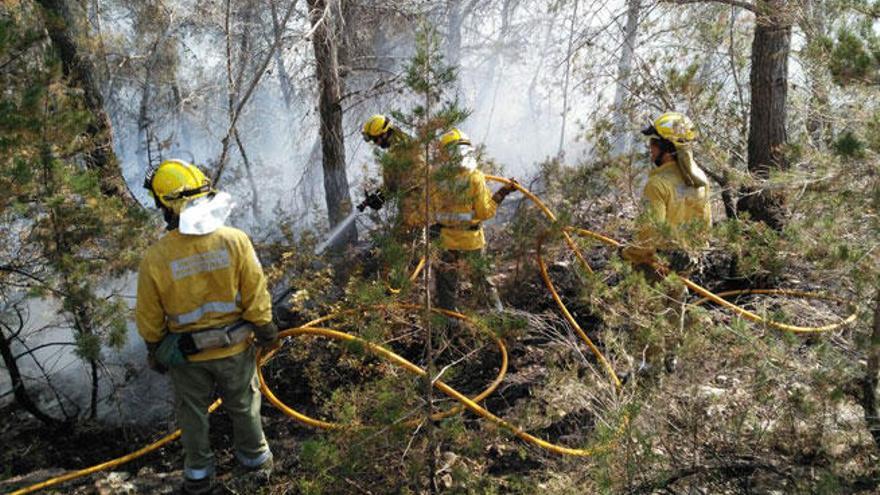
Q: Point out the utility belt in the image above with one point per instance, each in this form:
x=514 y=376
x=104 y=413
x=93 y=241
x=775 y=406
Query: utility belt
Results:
x=215 y=338
x=469 y=227
x=434 y=230
x=680 y=261
x=175 y=347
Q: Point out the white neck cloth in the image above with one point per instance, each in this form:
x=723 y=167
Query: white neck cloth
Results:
x=206 y=214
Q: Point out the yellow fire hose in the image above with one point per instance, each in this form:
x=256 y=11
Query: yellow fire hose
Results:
x=378 y=350
x=307 y=330
x=472 y=403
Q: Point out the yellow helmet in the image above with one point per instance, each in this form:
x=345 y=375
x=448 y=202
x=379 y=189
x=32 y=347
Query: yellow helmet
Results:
x=175 y=182
x=375 y=127
x=454 y=136
x=674 y=127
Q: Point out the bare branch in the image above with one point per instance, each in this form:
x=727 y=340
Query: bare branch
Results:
x=31 y=350
x=23 y=273
x=261 y=69
x=735 y=3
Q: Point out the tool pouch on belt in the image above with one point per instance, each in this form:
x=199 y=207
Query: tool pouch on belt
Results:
x=215 y=338
x=681 y=261
x=175 y=347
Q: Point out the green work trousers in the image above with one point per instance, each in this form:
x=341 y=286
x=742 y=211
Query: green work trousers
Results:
x=666 y=346
x=448 y=271
x=236 y=380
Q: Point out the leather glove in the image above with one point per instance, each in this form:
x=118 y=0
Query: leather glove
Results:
x=374 y=200
x=266 y=336
x=502 y=193
x=152 y=362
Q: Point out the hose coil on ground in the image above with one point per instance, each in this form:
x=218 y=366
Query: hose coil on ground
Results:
x=472 y=403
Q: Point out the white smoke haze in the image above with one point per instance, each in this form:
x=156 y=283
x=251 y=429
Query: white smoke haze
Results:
x=60 y=382
x=514 y=84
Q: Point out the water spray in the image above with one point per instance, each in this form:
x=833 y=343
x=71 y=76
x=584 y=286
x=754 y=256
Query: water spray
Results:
x=374 y=200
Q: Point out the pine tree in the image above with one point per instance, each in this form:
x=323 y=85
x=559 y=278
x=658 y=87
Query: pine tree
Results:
x=66 y=239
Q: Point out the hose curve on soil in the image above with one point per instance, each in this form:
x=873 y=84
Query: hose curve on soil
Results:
x=472 y=403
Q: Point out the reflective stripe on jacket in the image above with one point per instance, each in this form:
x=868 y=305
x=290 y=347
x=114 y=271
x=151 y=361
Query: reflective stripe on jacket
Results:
x=461 y=202
x=193 y=282
x=675 y=213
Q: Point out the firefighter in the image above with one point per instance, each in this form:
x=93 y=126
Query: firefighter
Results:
x=462 y=201
x=202 y=304
x=676 y=217
x=402 y=174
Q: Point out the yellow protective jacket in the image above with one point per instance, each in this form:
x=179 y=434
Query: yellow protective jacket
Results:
x=461 y=202
x=403 y=177
x=678 y=216
x=194 y=282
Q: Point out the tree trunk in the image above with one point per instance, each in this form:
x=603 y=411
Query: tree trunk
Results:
x=284 y=80
x=61 y=25
x=869 y=384
x=623 y=138
x=496 y=64
x=567 y=78
x=22 y=398
x=145 y=133
x=767 y=134
x=815 y=30
x=536 y=112
x=336 y=191
x=453 y=32
x=93 y=401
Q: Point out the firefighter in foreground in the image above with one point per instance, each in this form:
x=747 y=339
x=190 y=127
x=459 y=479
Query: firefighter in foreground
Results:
x=676 y=219
x=202 y=302
x=462 y=201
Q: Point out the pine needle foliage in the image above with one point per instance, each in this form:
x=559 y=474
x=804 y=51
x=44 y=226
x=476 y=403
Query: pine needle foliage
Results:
x=65 y=240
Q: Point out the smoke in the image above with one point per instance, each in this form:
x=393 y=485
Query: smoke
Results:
x=60 y=381
x=513 y=86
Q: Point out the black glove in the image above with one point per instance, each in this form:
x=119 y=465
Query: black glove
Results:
x=374 y=200
x=152 y=362
x=434 y=232
x=502 y=193
x=266 y=336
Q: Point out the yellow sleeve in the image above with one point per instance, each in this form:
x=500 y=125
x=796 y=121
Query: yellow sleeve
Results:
x=648 y=237
x=255 y=297
x=484 y=207
x=656 y=197
x=149 y=314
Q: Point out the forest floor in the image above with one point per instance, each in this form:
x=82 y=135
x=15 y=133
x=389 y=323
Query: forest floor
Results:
x=746 y=411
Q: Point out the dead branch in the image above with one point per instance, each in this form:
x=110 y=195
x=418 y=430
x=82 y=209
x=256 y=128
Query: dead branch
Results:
x=735 y=3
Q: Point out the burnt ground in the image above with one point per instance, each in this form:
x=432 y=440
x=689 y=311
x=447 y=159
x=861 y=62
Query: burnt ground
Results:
x=33 y=452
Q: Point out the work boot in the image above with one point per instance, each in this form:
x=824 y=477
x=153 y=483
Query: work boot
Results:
x=197 y=487
x=259 y=473
x=265 y=469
